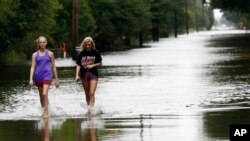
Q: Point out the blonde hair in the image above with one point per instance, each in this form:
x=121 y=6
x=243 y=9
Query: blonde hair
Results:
x=39 y=38
x=84 y=42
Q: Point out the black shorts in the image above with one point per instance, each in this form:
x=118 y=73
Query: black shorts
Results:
x=88 y=76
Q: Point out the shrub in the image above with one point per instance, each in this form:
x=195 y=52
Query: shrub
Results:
x=12 y=57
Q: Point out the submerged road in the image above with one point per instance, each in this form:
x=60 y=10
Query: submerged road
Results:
x=190 y=88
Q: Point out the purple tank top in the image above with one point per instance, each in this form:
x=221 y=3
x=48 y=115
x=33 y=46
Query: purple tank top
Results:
x=43 y=69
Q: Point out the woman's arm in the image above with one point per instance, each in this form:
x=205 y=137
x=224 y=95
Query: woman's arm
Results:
x=32 y=68
x=77 y=72
x=94 y=65
x=98 y=64
x=52 y=57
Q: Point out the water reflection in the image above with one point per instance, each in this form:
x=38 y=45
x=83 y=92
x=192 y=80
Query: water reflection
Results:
x=143 y=128
x=216 y=123
x=45 y=132
x=88 y=129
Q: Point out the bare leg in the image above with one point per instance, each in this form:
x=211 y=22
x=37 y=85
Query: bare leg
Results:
x=86 y=90
x=40 y=89
x=92 y=88
x=43 y=92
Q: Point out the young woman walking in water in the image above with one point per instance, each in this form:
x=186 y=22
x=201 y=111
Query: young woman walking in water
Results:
x=88 y=61
x=43 y=68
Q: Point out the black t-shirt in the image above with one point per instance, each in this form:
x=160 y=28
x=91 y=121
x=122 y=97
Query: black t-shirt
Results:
x=88 y=58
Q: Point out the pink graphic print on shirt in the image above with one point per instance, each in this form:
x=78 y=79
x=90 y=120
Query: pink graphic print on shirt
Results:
x=87 y=60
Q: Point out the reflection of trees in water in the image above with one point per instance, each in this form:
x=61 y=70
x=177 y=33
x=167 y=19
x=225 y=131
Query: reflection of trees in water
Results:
x=230 y=73
x=216 y=124
x=235 y=41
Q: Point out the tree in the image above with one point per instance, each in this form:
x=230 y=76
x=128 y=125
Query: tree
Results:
x=235 y=11
x=7 y=13
x=32 y=19
x=114 y=24
x=87 y=24
x=236 y=5
x=119 y=22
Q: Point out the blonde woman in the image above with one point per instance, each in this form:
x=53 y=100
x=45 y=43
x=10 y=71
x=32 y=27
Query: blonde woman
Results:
x=43 y=68
x=88 y=61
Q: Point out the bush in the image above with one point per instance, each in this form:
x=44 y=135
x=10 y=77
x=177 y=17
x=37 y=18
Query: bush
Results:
x=12 y=57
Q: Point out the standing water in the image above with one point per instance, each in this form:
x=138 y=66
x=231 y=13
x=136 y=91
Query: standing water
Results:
x=191 y=88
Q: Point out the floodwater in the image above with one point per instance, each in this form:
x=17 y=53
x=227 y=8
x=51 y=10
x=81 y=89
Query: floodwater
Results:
x=186 y=89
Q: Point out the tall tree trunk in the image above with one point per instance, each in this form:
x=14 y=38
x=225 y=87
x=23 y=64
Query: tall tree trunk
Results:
x=140 y=38
x=175 y=24
x=127 y=39
x=157 y=32
x=154 y=36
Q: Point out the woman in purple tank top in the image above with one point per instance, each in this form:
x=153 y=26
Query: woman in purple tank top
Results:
x=43 y=68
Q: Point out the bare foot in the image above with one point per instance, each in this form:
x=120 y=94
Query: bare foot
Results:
x=46 y=112
x=46 y=115
x=90 y=110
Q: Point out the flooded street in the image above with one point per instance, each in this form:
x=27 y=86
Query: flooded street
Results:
x=190 y=88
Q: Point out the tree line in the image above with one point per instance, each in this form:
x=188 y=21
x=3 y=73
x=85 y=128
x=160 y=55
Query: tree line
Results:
x=235 y=11
x=114 y=24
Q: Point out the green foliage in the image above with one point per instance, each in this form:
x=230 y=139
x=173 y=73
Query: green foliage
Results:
x=232 y=5
x=63 y=28
x=23 y=21
x=86 y=19
x=37 y=18
x=7 y=13
x=209 y=20
x=7 y=10
x=114 y=24
x=12 y=56
x=119 y=20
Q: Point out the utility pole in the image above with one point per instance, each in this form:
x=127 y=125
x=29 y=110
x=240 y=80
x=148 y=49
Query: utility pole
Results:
x=75 y=32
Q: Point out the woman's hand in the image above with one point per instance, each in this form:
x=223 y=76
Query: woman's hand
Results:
x=31 y=83
x=56 y=83
x=77 y=78
x=90 y=66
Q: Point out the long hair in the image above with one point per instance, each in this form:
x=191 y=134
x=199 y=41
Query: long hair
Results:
x=84 y=42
